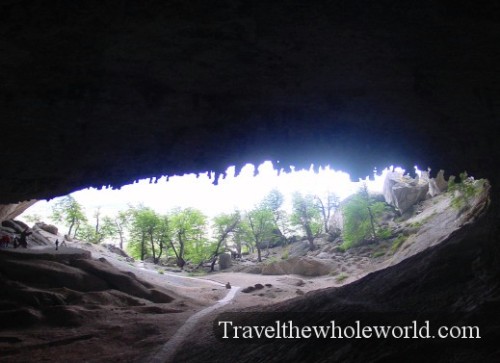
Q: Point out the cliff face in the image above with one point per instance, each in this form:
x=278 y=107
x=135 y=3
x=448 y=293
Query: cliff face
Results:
x=11 y=211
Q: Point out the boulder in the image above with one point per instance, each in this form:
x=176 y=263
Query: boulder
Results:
x=298 y=249
x=13 y=225
x=50 y=228
x=114 y=249
x=39 y=239
x=438 y=184
x=224 y=261
x=403 y=192
x=304 y=266
x=114 y=278
x=254 y=269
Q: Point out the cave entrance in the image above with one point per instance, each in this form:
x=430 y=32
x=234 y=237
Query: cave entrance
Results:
x=189 y=220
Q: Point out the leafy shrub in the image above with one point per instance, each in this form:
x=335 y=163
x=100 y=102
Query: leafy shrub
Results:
x=378 y=254
x=286 y=254
x=398 y=242
x=341 y=277
x=384 y=233
x=464 y=191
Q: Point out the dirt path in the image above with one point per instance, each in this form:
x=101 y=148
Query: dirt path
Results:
x=167 y=352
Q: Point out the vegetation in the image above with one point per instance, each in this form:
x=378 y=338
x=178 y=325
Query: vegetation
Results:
x=149 y=233
x=261 y=226
x=464 y=191
x=326 y=205
x=273 y=202
x=341 y=277
x=224 y=225
x=306 y=215
x=70 y=213
x=398 y=242
x=187 y=235
x=378 y=253
x=361 y=213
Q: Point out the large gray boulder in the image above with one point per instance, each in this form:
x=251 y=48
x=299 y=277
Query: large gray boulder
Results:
x=438 y=184
x=403 y=192
x=224 y=261
x=304 y=266
x=50 y=228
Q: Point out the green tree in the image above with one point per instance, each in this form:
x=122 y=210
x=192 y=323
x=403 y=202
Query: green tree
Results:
x=326 y=205
x=261 y=225
x=189 y=231
x=360 y=214
x=306 y=215
x=224 y=225
x=33 y=218
x=242 y=236
x=104 y=228
x=121 y=223
x=69 y=212
x=147 y=231
x=273 y=201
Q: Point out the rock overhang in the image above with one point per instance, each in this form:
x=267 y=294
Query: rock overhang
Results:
x=96 y=95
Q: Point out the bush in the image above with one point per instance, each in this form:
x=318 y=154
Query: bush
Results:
x=341 y=277
x=398 y=242
x=384 y=233
x=286 y=254
x=464 y=191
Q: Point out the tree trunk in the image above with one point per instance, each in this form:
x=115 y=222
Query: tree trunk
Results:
x=374 y=235
x=120 y=233
x=180 y=258
x=259 y=257
x=152 y=246
x=310 y=236
x=76 y=229
x=143 y=247
x=212 y=265
x=161 y=252
x=71 y=227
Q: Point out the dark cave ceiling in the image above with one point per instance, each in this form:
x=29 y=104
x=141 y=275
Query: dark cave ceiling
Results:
x=102 y=92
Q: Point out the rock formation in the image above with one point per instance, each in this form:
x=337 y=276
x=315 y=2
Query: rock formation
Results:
x=224 y=261
x=11 y=211
x=403 y=191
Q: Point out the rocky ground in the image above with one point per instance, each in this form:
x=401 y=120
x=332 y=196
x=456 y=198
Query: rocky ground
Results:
x=94 y=302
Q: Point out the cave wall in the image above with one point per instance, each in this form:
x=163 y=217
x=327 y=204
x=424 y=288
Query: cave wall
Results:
x=101 y=93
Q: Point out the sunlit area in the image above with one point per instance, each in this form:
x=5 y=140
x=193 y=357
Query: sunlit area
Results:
x=103 y=213
x=240 y=192
x=189 y=222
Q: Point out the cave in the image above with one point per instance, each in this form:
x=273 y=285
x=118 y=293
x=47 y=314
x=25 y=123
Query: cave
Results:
x=103 y=93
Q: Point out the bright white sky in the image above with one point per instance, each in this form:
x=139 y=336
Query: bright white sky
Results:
x=242 y=192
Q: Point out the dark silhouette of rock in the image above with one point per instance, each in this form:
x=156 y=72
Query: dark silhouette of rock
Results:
x=42 y=273
x=248 y=289
x=224 y=261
